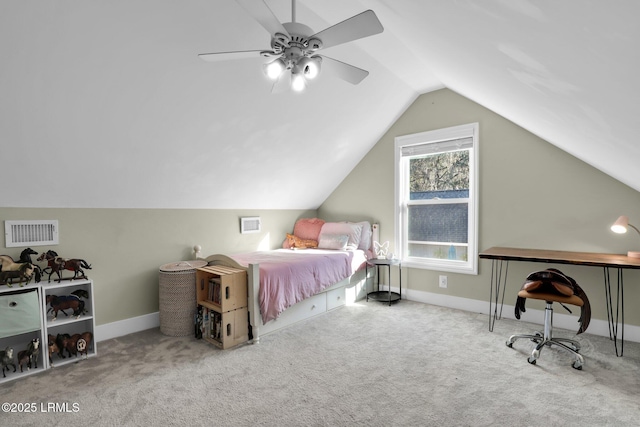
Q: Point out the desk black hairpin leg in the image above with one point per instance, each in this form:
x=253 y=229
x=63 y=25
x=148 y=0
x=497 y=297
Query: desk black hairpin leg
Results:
x=619 y=314
x=497 y=282
x=399 y=281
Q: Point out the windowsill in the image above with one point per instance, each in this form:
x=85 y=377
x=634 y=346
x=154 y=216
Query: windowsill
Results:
x=441 y=266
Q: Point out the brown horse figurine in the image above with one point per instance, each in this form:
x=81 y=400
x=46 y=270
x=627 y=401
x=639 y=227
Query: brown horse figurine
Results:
x=65 y=302
x=83 y=344
x=29 y=357
x=53 y=347
x=57 y=264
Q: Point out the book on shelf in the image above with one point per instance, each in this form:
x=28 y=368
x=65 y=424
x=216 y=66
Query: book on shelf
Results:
x=198 y=322
x=205 y=323
x=216 y=326
x=215 y=286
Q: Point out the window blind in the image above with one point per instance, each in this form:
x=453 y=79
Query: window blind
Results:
x=424 y=148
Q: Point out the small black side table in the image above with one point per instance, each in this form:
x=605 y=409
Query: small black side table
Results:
x=384 y=296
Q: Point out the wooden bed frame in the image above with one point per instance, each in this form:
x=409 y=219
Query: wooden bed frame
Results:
x=346 y=291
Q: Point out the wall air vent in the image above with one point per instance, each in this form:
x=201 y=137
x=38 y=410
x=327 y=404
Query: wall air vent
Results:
x=250 y=224
x=30 y=233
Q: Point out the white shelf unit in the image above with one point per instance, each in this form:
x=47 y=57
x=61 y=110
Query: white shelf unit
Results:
x=68 y=324
x=20 y=341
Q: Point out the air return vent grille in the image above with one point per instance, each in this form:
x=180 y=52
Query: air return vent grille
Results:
x=250 y=224
x=30 y=233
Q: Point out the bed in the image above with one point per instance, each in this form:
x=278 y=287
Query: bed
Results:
x=300 y=281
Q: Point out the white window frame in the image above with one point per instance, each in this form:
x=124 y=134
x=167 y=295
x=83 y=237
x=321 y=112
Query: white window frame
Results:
x=470 y=266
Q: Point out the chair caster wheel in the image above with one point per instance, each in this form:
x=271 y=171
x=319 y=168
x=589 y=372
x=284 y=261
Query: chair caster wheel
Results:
x=509 y=344
x=577 y=365
x=531 y=360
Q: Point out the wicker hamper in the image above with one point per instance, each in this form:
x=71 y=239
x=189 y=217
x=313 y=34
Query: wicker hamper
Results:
x=178 y=297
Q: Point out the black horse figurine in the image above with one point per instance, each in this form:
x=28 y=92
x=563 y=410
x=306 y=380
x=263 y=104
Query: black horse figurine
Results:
x=25 y=256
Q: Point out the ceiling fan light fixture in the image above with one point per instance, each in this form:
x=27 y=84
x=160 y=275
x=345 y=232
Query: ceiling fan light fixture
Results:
x=294 y=46
x=298 y=82
x=274 y=69
x=310 y=66
x=314 y=44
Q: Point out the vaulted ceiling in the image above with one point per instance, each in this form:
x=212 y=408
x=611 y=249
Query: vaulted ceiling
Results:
x=106 y=103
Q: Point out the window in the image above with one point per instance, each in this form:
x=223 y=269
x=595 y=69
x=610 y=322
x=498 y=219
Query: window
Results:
x=436 y=199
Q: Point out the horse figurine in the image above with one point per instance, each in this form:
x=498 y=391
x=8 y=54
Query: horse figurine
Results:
x=61 y=344
x=23 y=269
x=65 y=302
x=58 y=264
x=33 y=350
x=29 y=356
x=72 y=345
x=25 y=256
x=23 y=359
x=83 y=344
x=8 y=264
x=53 y=347
x=6 y=359
x=24 y=273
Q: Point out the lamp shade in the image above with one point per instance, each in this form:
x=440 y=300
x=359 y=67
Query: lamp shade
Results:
x=621 y=225
x=309 y=66
x=297 y=82
x=274 y=69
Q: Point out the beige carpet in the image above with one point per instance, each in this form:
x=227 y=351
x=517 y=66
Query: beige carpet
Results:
x=369 y=364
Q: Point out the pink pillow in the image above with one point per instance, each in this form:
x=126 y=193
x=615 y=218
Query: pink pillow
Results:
x=308 y=228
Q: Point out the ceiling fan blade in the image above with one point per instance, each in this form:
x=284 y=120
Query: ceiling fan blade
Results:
x=227 y=56
x=259 y=10
x=363 y=25
x=346 y=72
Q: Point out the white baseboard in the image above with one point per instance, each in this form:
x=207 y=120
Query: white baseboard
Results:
x=127 y=326
x=560 y=320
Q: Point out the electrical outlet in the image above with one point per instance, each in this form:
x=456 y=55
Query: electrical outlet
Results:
x=443 y=281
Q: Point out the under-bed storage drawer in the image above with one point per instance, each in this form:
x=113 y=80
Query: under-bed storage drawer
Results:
x=336 y=298
x=305 y=309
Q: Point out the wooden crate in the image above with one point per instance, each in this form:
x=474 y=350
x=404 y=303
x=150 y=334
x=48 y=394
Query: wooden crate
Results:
x=229 y=286
x=228 y=329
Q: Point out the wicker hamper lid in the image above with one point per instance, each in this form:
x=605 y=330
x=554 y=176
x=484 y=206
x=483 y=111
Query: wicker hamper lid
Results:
x=174 y=267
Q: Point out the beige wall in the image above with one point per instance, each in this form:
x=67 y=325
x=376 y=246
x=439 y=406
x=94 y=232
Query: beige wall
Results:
x=532 y=195
x=126 y=247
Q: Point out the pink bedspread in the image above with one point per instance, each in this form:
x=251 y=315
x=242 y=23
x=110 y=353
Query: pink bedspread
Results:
x=289 y=276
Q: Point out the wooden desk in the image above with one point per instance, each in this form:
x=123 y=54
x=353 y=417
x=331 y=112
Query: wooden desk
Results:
x=500 y=266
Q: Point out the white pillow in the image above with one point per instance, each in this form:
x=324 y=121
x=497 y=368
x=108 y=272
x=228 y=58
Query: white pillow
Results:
x=365 y=237
x=354 y=231
x=333 y=241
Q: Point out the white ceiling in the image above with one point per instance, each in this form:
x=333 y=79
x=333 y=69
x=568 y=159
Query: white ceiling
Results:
x=106 y=104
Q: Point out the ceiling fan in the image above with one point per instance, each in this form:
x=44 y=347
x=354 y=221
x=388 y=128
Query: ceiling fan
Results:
x=293 y=59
